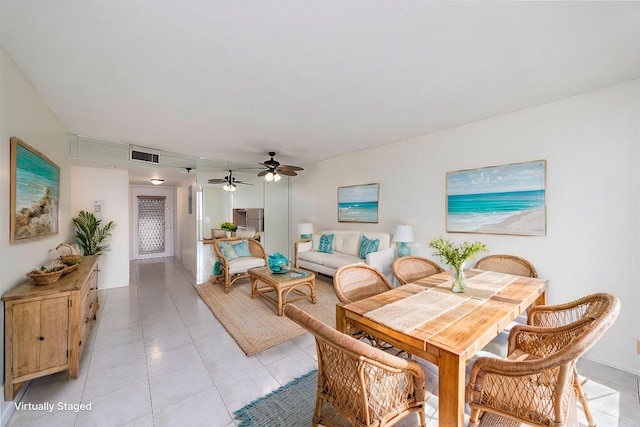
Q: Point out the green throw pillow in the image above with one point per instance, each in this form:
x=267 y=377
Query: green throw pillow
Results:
x=367 y=246
x=326 y=243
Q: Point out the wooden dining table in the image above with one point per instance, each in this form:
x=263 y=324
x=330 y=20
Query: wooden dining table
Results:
x=428 y=320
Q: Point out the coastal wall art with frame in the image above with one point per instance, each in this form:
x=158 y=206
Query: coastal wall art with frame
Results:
x=35 y=193
x=506 y=199
x=358 y=203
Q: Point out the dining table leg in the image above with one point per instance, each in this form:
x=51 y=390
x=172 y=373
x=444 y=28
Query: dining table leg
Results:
x=451 y=389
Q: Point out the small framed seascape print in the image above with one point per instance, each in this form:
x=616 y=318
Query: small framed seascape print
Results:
x=358 y=203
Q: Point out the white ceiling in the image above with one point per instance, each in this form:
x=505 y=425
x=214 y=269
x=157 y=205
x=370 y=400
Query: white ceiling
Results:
x=310 y=80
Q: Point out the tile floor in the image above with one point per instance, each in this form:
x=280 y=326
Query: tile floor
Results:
x=158 y=357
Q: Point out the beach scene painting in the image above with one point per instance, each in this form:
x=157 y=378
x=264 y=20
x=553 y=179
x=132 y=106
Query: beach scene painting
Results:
x=507 y=199
x=35 y=187
x=358 y=203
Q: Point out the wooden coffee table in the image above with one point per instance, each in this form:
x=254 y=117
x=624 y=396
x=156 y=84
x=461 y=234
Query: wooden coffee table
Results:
x=282 y=284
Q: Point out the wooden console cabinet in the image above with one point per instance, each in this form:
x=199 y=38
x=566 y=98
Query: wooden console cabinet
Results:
x=45 y=327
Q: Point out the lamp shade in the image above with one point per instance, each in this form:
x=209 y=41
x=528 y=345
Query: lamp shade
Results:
x=305 y=229
x=403 y=234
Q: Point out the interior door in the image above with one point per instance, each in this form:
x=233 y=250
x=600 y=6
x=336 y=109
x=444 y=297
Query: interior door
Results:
x=152 y=220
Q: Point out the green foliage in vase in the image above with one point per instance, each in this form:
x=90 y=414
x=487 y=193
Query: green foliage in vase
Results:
x=89 y=235
x=228 y=226
x=456 y=255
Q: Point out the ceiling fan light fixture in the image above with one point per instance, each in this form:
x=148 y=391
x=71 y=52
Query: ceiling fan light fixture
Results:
x=269 y=177
x=276 y=177
x=156 y=181
x=229 y=187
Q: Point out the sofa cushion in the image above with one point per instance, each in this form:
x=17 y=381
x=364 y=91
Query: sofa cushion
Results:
x=312 y=256
x=367 y=246
x=338 y=259
x=326 y=243
x=350 y=243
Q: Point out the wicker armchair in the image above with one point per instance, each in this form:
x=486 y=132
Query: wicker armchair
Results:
x=550 y=316
x=366 y=386
x=508 y=264
x=236 y=268
x=535 y=385
x=354 y=282
x=408 y=269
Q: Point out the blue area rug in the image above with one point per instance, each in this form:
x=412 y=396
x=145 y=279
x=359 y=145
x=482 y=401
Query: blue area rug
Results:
x=291 y=405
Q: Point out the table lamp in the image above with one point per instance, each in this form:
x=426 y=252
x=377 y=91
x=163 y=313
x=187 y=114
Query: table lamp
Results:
x=403 y=234
x=305 y=229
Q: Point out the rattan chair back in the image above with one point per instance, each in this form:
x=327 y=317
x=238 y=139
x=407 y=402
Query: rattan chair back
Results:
x=535 y=385
x=365 y=385
x=508 y=264
x=354 y=282
x=589 y=307
x=408 y=269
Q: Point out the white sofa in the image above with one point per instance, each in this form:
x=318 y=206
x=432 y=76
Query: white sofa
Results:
x=346 y=248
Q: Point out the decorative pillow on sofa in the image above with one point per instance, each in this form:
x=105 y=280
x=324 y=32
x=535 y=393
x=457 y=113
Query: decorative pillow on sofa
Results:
x=367 y=246
x=326 y=243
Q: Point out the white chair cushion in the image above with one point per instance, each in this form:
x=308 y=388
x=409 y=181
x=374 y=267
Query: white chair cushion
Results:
x=338 y=260
x=242 y=264
x=313 y=256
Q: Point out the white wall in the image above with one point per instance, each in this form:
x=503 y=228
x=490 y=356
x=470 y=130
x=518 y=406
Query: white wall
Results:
x=185 y=229
x=24 y=114
x=112 y=187
x=591 y=144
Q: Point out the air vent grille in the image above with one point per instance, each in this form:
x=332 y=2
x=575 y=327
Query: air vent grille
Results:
x=147 y=155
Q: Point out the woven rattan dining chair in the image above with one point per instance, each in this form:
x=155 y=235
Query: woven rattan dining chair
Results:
x=408 y=269
x=535 y=384
x=365 y=385
x=508 y=264
x=354 y=282
x=588 y=307
x=234 y=269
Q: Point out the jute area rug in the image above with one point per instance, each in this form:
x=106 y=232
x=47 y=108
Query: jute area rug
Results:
x=253 y=323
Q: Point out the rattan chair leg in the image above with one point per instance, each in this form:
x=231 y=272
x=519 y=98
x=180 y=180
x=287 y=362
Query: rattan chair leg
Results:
x=584 y=400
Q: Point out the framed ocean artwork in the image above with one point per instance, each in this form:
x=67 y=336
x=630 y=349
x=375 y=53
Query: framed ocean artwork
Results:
x=35 y=191
x=358 y=203
x=507 y=199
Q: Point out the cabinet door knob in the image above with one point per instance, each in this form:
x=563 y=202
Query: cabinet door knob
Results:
x=41 y=338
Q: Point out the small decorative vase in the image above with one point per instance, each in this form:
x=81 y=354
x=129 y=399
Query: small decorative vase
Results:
x=227 y=233
x=459 y=280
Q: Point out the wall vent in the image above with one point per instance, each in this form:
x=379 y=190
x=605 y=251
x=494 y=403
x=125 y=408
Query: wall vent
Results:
x=144 y=155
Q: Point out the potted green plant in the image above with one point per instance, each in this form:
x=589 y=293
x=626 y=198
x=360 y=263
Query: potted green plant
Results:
x=89 y=235
x=228 y=227
x=455 y=256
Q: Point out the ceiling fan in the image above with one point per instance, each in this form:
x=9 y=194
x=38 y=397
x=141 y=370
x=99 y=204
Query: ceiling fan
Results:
x=229 y=182
x=275 y=169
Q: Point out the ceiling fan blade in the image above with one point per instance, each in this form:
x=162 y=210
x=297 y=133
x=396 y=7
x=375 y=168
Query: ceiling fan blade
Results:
x=291 y=168
x=286 y=172
x=243 y=183
x=217 y=181
x=263 y=173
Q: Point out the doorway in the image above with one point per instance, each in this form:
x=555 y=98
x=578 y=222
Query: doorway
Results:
x=152 y=220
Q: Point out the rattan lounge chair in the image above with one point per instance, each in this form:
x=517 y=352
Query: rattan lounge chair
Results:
x=234 y=269
x=508 y=264
x=589 y=307
x=535 y=385
x=365 y=385
x=408 y=269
